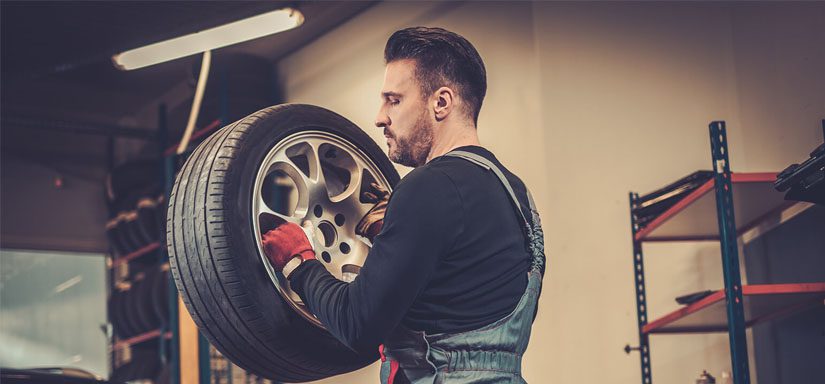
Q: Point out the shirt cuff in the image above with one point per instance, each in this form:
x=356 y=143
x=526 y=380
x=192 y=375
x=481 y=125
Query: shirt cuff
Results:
x=301 y=274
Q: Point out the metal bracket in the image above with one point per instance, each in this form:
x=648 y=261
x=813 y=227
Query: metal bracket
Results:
x=628 y=348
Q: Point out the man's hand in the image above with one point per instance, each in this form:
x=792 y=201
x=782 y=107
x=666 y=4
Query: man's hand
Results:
x=288 y=242
x=371 y=224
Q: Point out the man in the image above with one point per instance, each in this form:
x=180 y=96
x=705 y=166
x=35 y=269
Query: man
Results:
x=452 y=280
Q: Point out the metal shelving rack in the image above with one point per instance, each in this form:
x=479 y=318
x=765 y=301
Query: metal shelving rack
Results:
x=165 y=332
x=735 y=307
x=169 y=351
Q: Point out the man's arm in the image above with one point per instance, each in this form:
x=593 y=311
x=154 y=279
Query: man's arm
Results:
x=423 y=221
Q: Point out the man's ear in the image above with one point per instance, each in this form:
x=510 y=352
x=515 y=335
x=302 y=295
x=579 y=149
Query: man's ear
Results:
x=444 y=103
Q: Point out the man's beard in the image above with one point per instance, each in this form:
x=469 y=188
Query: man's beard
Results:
x=412 y=151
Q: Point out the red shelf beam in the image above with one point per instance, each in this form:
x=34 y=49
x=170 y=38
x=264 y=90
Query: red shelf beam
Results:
x=762 y=302
x=705 y=191
x=134 y=255
x=140 y=338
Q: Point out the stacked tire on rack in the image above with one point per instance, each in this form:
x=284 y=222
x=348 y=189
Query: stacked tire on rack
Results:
x=245 y=179
x=139 y=302
x=141 y=305
x=144 y=365
x=135 y=198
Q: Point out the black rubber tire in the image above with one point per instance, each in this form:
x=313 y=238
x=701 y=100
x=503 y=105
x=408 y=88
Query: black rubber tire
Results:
x=147 y=363
x=160 y=295
x=135 y=232
x=113 y=236
x=144 y=307
x=125 y=235
x=148 y=218
x=214 y=256
x=124 y=327
x=120 y=328
x=144 y=364
x=129 y=313
x=120 y=239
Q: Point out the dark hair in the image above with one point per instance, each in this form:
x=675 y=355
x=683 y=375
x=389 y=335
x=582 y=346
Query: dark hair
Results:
x=442 y=58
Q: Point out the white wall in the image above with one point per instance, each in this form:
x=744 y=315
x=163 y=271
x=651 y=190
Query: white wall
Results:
x=587 y=101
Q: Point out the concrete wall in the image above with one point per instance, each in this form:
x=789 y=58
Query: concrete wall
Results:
x=587 y=101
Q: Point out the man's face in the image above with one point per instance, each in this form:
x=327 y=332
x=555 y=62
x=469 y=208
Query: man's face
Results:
x=404 y=115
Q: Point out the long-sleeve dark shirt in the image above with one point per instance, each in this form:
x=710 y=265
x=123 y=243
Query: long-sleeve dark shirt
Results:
x=450 y=257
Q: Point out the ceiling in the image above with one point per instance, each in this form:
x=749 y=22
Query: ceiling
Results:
x=55 y=60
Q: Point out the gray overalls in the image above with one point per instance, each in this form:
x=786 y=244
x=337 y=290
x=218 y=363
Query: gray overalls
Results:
x=490 y=354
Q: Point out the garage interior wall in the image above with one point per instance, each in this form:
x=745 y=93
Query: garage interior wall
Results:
x=39 y=215
x=586 y=102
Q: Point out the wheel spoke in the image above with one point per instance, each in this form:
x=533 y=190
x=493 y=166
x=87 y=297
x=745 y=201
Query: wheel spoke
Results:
x=263 y=209
x=282 y=162
x=316 y=173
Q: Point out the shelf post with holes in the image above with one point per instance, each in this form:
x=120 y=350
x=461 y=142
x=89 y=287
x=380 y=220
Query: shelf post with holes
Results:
x=641 y=296
x=730 y=253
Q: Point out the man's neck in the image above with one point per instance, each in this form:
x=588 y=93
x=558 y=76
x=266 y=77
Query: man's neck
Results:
x=451 y=139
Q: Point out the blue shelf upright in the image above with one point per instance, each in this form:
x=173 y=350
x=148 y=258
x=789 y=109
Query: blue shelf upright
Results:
x=730 y=253
x=641 y=296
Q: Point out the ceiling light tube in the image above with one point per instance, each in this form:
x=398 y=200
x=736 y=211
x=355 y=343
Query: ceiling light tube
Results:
x=210 y=39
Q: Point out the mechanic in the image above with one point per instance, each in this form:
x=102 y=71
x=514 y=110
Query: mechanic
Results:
x=449 y=290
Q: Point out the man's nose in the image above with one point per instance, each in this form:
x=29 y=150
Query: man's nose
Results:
x=382 y=120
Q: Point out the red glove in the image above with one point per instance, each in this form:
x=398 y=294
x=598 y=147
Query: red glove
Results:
x=286 y=242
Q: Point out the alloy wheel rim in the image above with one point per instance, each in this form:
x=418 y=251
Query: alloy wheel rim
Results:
x=320 y=177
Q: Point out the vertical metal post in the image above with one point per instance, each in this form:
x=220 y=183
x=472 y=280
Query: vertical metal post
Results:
x=730 y=253
x=641 y=296
x=204 y=360
x=172 y=354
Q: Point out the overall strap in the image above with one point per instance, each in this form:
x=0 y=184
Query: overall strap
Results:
x=483 y=162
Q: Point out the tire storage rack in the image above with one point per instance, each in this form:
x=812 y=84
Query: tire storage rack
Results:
x=139 y=305
x=710 y=209
x=150 y=339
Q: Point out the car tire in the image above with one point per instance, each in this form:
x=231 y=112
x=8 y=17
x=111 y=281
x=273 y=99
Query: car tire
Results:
x=215 y=256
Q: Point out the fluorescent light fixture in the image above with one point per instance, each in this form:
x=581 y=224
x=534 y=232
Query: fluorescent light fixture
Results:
x=214 y=38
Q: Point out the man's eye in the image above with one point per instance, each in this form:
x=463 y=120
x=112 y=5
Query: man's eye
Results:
x=394 y=102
